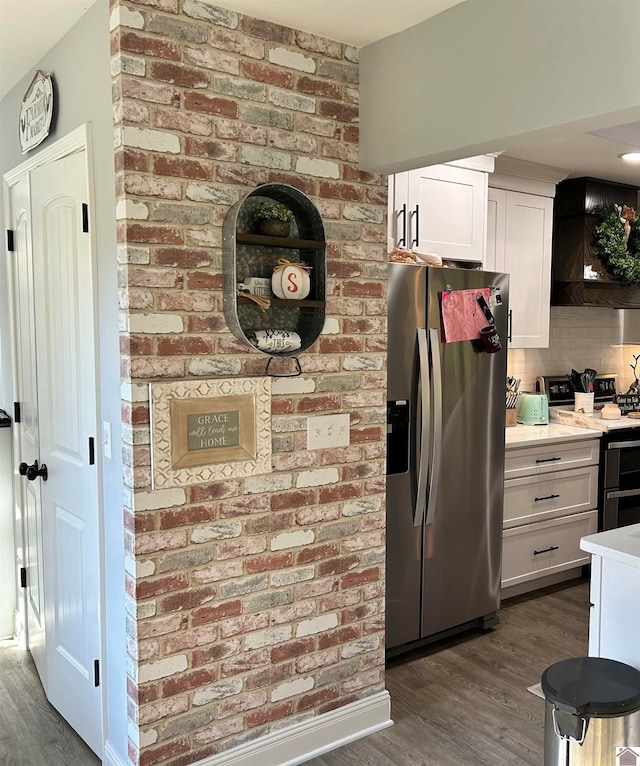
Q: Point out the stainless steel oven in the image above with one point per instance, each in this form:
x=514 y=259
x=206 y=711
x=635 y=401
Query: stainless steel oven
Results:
x=620 y=479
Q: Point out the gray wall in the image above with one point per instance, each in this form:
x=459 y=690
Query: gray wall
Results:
x=80 y=66
x=490 y=75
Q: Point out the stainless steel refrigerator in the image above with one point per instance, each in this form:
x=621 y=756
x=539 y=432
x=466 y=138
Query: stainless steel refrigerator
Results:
x=445 y=460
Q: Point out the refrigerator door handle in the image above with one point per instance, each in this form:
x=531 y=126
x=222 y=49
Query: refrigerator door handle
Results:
x=423 y=457
x=436 y=419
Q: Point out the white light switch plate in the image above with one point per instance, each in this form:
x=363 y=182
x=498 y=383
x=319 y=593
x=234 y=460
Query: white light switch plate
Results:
x=328 y=431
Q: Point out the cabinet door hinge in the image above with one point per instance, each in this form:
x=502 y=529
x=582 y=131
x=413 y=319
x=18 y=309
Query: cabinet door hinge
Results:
x=96 y=672
x=85 y=217
x=17 y=416
x=23 y=577
x=92 y=450
x=10 y=241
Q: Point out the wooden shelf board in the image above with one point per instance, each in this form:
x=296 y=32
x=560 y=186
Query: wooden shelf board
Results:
x=288 y=242
x=280 y=302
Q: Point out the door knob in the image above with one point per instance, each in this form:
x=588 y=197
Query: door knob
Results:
x=33 y=471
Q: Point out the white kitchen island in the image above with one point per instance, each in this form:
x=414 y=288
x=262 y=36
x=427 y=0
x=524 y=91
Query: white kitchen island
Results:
x=614 y=624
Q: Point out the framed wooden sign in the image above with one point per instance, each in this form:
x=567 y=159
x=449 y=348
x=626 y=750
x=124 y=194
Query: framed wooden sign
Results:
x=628 y=403
x=36 y=112
x=204 y=430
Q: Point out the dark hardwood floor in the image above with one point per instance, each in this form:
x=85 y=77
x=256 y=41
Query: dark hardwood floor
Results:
x=464 y=701
x=32 y=733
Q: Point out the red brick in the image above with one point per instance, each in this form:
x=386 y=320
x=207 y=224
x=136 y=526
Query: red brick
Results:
x=214 y=613
x=167 y=166
x=199 y=102
x=198 y=280
x=306 y=185
x=362 y=289
x=371 y=434
x=319 y=87
x=339 y=492
x=136 y=345
x=265 y=30
x=352 y=579
x=337 y=637
x=281 y=406
x=337 y=703
x=321 y=403
x=265 y=73
x=176 y=74
x=130 y=159
x=317 y=553
x=218 y=651
x=336 y=190
x=268 y=562
x=187 y=599
x=186 y=681
x=182 y=258
x=337 y=566
x=292 y=649
x=163 y=235
x=361 y=471
x=299 y=499
x=338 y=111
x=244 y=662
x=351 y=133
x=343 y=269
x=147 y=588
x=186 y=516
x=272 y=675
x=212 y=150
x=194 y=756
x=339 y=345
x=317 y=698
x=204 y=492
x=273 y=713
x=182 y=345
x=243 y=176
x=149 y=46
x=268 y=523
x=206 y=324
x=149 y=756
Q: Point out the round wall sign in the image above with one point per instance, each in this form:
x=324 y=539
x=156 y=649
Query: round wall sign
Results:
x=36 y=112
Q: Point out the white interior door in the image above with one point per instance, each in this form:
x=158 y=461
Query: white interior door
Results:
x=62 y=335
x=26 y=438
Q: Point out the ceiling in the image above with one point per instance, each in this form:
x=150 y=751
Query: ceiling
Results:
x=29 y=28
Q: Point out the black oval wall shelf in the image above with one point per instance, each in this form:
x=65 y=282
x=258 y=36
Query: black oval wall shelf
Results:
x=248 y=254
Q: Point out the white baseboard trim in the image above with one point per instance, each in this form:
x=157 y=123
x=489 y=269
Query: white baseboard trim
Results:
x=111 y=758
x=308 y=739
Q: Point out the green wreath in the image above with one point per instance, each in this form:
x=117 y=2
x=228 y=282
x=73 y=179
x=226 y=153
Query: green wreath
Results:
x=622 y=259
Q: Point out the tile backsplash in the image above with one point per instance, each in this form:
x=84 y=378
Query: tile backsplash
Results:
x=578 y=338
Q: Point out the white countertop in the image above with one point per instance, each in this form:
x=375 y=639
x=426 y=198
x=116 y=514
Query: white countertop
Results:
x=621 y=544
x=565 y=416
x=531 y=436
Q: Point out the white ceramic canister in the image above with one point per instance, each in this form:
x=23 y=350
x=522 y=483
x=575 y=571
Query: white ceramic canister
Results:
x=584 y=403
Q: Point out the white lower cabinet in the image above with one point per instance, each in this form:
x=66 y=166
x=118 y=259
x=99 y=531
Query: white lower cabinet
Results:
x=550 y=502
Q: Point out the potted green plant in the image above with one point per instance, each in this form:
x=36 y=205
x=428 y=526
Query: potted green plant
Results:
x=274 y=219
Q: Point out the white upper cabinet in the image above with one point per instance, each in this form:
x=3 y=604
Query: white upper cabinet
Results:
x=441 y=209
x=519 y=232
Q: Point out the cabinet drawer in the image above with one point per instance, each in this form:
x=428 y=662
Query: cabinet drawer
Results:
x=536 y=498
x=529 y=461
x=544 y=548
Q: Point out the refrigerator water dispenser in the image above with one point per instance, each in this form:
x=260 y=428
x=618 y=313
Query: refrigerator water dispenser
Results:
x=397 y=436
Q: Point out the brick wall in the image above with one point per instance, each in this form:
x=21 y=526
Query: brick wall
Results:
x=252 y=603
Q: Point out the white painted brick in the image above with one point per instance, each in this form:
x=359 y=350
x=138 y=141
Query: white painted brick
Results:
x=223 y=530
x=284 y=424
x=124 y=64
x=293 y=386
x=318 y=477
x=367 y=214
x=316 y=625
x=268 y=483
x=265 y=158
x=148 y=737
x=291 y=688
x=134 y=392
x=292 y=539
x=292 y=576
x=154 y=140
x=133 y=254
x=355 y=362
x=362 y=505
x=214 y=193
x=162 y=668
x=319 y=168
x=156 y=323
x=268 y=637
x=217 y=691
x=361 y=646
x=331 y=326
x=215 y=367
x=131 y=209
x=292 y=60
x=121 y=16
x=289 y=100
x=159 y=498
x=145 y=568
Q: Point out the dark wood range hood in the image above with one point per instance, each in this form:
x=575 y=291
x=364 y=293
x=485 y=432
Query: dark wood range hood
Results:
x=579 y=276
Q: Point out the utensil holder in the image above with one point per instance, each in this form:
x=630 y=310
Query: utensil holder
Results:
x=512 y=418
x=583 y=403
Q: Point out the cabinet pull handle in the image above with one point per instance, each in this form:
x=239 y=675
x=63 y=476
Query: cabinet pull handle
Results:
x=402 y=241
x=416 y=241
x=548 y=459
x=546 y=550
x=546 y=497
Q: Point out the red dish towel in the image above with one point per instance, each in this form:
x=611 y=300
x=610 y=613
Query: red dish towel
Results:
x=462 y=317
